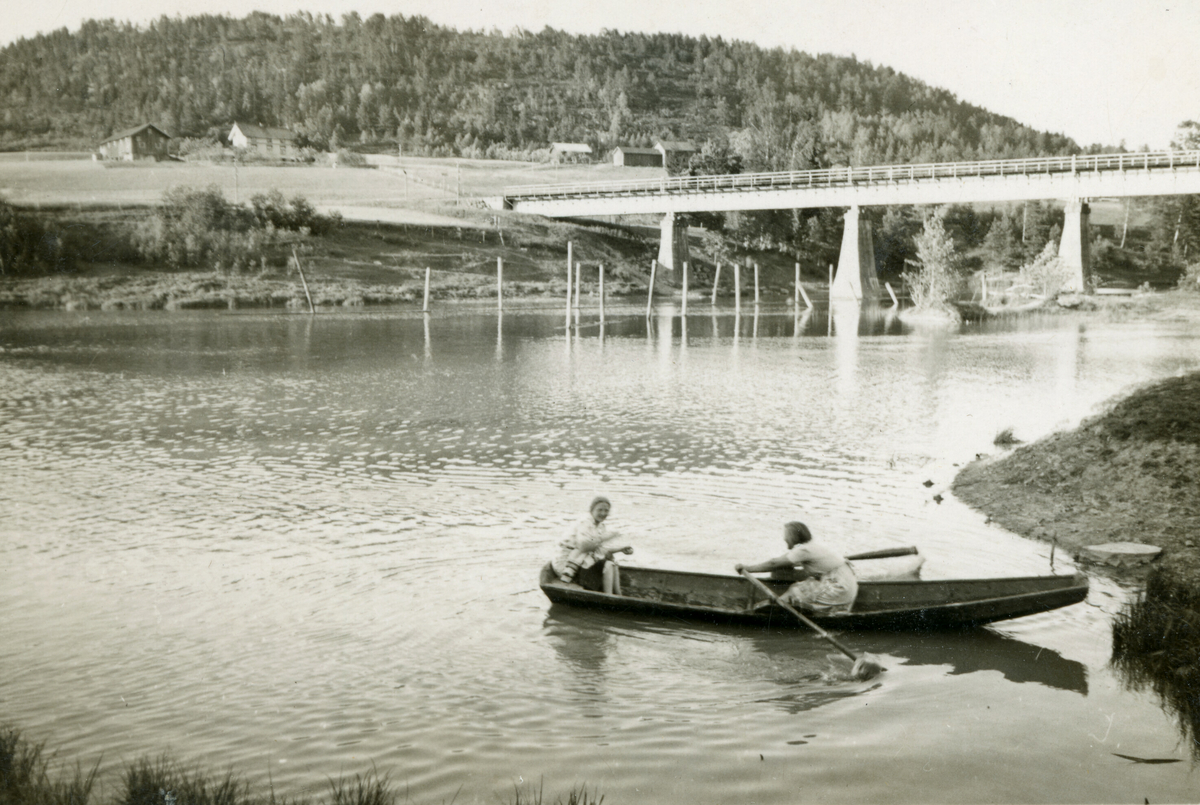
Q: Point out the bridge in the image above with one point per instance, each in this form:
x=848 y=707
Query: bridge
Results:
x=1074 y=179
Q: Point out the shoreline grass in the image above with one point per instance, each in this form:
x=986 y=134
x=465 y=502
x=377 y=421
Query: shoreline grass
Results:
x=28 y=776
x=1156 y=647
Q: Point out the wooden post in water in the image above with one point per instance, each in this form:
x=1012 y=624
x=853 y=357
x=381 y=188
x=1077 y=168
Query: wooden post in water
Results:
x=650 y=289
x=796 y=300
x=831 y=280
x=578 y=276
x=303 y=281
x=426 y=306
x=716 y=279
x=896 y=302
x=570 y=265
x=756 y=283
x=602 y=292
x=568 y=285
x=737 y=287
x=499 y=283
x=683 y=303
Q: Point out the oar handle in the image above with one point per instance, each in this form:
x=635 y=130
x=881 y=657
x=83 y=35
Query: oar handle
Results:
x=886 y=553
x=764 y=588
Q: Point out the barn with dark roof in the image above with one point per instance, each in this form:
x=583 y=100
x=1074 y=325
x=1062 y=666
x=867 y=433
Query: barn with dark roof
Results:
x=146 y=141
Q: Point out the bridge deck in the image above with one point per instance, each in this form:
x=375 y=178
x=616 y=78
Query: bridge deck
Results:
x=863 y=176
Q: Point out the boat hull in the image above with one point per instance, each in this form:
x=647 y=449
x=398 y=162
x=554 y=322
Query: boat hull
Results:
x=902 y=605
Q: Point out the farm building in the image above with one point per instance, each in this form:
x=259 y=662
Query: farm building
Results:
x=628 y=157
x=675 y=153
x=570 y=152
x=146 y=141
x=675 y=148
x=267 y=141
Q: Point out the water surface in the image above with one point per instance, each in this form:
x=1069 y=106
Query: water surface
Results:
x=301 y=547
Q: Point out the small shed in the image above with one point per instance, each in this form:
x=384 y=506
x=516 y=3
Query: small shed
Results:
x=146 y=141
x=675 y=153
x=570 y=152
x=628 y=157
x=267 y=141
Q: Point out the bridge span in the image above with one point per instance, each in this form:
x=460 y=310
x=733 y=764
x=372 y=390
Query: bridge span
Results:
x=1073 y=179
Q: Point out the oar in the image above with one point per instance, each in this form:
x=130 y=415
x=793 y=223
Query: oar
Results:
x=865 y=666
x=886 y=553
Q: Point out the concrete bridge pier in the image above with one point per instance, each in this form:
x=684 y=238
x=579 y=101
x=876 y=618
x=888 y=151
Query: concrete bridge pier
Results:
x=672 y=245
x=856 y=278
x=1075 y=247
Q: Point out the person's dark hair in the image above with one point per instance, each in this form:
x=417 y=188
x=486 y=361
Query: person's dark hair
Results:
x=797 y=531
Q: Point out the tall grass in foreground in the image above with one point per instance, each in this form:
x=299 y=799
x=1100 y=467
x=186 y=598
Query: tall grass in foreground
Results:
x=578 y=795
x=1156 y=645
x=25 y=779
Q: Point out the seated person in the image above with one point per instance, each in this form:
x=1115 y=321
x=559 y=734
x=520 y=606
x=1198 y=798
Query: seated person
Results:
x=830 y=586
x=586 y=552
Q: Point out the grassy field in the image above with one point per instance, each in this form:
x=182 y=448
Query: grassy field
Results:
x=390 y=183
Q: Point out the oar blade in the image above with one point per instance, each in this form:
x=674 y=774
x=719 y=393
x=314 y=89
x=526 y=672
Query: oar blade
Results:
x=866 y=667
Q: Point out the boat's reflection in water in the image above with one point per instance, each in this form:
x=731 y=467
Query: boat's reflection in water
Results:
x=808 y=670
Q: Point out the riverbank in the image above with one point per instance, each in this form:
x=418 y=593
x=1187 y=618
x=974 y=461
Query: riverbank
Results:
x=1126 y=475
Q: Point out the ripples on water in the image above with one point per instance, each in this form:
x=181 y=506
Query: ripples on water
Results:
x=308 y=545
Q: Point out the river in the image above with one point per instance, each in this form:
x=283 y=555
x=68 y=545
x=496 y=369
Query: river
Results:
x=306 y=547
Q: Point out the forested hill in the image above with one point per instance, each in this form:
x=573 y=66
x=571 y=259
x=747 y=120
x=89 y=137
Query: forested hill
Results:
x=441 y=91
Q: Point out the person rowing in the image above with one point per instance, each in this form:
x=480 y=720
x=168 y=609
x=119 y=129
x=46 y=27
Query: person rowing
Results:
x=831 y=585
x=586 y=552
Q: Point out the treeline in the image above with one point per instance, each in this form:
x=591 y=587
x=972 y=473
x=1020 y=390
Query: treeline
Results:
x=436 y=91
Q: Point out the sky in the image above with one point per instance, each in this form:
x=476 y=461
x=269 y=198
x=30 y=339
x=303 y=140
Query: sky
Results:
x=1101 y=71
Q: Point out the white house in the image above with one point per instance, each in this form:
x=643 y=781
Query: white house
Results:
x=267 y=141
x=570 y=152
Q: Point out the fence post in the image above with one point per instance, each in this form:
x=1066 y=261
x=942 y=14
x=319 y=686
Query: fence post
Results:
x=737 y=287
x=568 y=286
x=683 y=303
x=650 y=290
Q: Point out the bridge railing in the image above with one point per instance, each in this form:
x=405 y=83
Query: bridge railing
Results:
x=832 y=177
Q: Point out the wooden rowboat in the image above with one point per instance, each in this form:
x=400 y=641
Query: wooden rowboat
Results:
x=891 y=605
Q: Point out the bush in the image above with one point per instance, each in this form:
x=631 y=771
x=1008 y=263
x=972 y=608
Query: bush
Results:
x=1190 y=279
x=1047 y=274
x=297 y=215
x=28 y=247
x=201 y=228
x=350 y=159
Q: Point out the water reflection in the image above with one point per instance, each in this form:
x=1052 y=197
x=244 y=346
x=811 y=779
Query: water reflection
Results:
x=978 y=650
x=581 y=645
